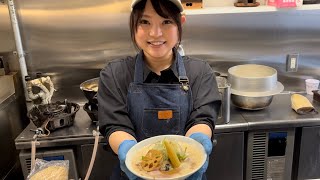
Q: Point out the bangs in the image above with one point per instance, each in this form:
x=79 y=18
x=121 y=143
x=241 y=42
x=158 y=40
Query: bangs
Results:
x=165 y=9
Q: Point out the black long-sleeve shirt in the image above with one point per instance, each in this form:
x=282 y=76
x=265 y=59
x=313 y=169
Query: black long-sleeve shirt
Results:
x=118 y=74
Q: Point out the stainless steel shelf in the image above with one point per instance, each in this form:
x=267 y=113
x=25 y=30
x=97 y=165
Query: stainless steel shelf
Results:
x=259 y=9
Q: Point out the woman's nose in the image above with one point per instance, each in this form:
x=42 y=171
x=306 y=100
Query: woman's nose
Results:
x=156 y=30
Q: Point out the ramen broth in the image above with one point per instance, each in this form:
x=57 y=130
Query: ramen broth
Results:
x=193 y=161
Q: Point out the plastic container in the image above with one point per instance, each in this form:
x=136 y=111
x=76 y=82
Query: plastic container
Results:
x=311 y=84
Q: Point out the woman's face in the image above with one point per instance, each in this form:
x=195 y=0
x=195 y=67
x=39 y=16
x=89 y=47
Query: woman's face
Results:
x=155 y=35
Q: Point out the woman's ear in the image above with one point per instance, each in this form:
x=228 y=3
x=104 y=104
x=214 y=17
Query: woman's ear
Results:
x=183 y=19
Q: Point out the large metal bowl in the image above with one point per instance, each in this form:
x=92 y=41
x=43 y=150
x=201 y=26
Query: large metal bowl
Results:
x=253 y=86
x=251 y=103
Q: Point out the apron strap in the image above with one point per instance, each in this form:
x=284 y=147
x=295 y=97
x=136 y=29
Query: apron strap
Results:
x=183 y=79
x=138 y=74
x=138 y=71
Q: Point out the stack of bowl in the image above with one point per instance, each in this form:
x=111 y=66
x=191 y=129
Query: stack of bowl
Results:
x=90 y=89
x=253 y=86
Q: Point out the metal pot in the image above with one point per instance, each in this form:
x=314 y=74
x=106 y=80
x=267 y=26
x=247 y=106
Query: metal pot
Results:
x=251 y=103
x=90 y=89
x=254 y=80
x=253 y=86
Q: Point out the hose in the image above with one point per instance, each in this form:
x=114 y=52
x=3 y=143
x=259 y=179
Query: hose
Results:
x=33 y=148
x=94 y=152
x=33 y=153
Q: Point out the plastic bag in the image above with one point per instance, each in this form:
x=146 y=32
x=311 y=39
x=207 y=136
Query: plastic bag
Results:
x=49 y=170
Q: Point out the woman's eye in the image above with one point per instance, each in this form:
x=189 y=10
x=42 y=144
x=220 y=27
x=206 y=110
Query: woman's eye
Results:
x=142 y=21
x=167 y=22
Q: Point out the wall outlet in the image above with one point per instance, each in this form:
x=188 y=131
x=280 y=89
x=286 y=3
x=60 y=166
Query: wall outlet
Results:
x=292 y=63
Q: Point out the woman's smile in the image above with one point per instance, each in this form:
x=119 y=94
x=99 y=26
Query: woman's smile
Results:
x=156 y=44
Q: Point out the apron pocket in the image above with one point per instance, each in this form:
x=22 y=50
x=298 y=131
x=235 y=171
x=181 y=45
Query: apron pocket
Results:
x=153 y=126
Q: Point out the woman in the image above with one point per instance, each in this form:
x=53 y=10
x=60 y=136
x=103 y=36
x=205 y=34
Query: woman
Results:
x=157 y=92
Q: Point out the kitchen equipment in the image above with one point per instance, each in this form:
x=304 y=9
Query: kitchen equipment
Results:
x=251 y=103
x=270 y=154
x=253 y=86
x=54 y=115
x=224 y=91
x=92 y=111
x=90 y=89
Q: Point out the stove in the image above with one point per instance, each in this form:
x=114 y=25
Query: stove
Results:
x=52 y=116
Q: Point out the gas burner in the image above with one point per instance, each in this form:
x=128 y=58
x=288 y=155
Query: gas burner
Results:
x=54 y=115
x=53 y=109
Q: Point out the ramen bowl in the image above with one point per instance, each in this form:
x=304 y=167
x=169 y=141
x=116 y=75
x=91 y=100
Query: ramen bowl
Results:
x=196 y=157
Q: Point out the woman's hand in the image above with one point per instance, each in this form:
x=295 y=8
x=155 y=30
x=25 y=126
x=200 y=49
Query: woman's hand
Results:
x=124 y=147
x=207 y=144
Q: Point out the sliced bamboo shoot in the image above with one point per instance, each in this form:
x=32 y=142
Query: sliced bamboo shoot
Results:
x=172 y=154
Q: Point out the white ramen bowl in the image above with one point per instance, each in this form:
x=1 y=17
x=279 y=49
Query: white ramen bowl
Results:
x=132 y=156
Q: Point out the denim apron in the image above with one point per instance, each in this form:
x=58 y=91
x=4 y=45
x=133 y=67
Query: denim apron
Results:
x=147 y=101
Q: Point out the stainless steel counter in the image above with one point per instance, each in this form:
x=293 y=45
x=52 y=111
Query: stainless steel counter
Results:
x=278 y=115
x=237 y=122
x=81 y=132
x=77 y=134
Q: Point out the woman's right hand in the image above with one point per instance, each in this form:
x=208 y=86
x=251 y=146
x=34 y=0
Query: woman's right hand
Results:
x=124 y=147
